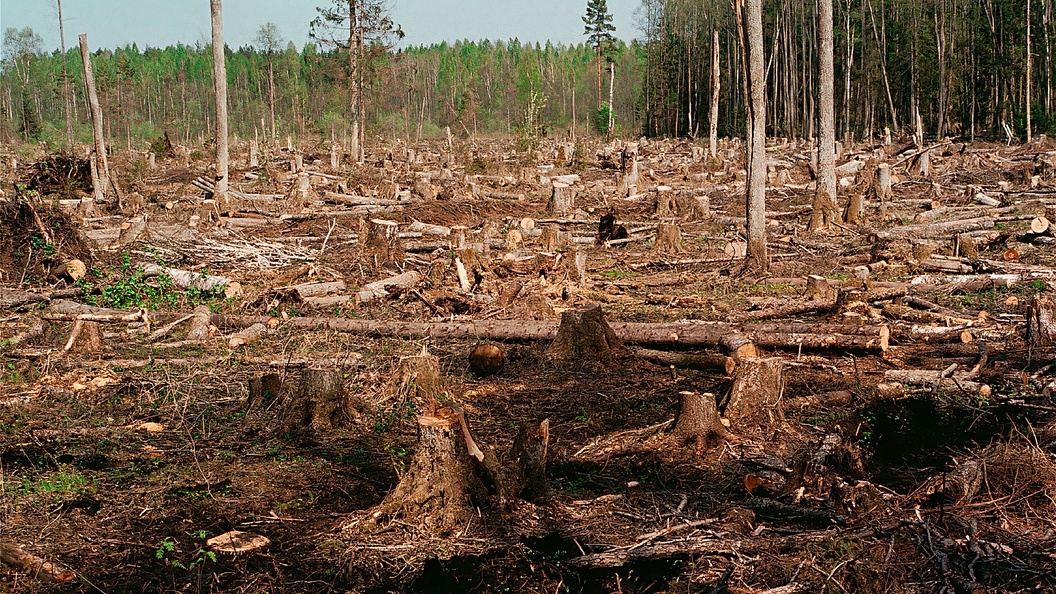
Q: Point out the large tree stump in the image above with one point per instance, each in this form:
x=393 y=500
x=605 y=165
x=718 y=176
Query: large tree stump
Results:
x=318 y=402
x=584 y=339
x=381 y=239
x=85 y=338
x=1041 y=323
x=529 y=453
x=301 y=195
x=443 y=486
x=698 y=420
x=758 y=384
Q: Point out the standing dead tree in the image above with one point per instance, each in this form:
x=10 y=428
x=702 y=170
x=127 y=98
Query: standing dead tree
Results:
x=220 y=85
x=824 y=212
x=100 y=165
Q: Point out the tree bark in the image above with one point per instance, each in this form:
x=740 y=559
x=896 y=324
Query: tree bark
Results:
x=713 y=130
x=824 y=211
x=220 y=90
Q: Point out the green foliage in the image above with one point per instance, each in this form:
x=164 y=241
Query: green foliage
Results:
x=128 y=287
x=602 y=118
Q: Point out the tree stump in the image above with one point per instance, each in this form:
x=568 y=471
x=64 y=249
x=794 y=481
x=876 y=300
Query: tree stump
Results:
x=965 y=247
x=263 y=389
x=698 y=420
x=1041 y=322
x=443 y=486
x=584 y=340
x=666 y=204
x=529 y=454
x=86 y=338
x=562 y=199
x=486 y=359
x=254 y=159
x=818 y=288
x=381 y=239
x=755 y=396
x=553 y=239
x=416 y=378
x=883 y=183
x=855 y=212
x=317 y=403
x=668 y=240
x=301 y=195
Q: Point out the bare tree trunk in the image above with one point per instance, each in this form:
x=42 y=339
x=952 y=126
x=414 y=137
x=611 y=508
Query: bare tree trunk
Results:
x=100 y=166
x=824 y=211
x=271 y=92
x=756 y=189
x=883 y=70
x=1047 y=24
x=713 y=133
x=220 y=85
x=67 y=100
x=1030 y=64
x=612 y=82
x=353 y=73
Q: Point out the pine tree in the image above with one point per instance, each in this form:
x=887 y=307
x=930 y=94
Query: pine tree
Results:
x=599 y=30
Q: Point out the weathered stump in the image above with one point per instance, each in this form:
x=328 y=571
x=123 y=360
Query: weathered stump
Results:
x=883 y=183
x=698 y=420
x=668 y=240
x=85 y=338
x=381 y=239
x=1041 y=322
x=416 y=378
x=263 y=389
x=562 y=199
x=584 y=339
x=666 y=204
x=529 y=454
x=317 y=403
x=755 y=396
x=855 y=212
x=254 y=149
x=301 y=195
x=444 y=485
x=553 y=239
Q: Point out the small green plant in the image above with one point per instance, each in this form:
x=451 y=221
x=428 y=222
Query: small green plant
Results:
x=602 y=118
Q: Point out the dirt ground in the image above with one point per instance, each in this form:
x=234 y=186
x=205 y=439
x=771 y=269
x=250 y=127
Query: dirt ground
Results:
x=121 y=464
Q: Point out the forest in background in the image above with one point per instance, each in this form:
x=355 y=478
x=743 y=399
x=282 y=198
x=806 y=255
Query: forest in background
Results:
x=927 y=67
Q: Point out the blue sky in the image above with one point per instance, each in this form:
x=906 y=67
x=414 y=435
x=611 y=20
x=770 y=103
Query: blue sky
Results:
x=157 y=23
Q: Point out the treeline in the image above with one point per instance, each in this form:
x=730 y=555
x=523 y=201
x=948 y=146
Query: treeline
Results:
x=933 y=67
x=470 y=87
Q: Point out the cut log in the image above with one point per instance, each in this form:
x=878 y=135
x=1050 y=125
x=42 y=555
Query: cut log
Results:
x=755 y=396
x=584 y=340
x=486 y=359
x=199 y=329
x=74 y=269
x=36 y=567
x=62 y=309
x=1039 y=225
x=197 y=280
x=955 y=487
x=379 y=289
x=247 y=335
x=529 y=454
x=14 y=298
x=236 y=542
x=443 y=485
x=317 y=403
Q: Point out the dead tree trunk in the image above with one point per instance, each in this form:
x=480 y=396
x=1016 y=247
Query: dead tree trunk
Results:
x=33 y=565
x=756 y=257
x=756 y=392
x=824 y=210
x=584 y=339
x=713 y=133
x=100 y=164
x=220 y=87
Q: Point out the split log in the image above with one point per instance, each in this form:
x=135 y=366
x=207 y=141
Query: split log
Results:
x=196 y=280
x=37 y=568
x=758 y=385
x=584 y=340
x=443 y=484
x=317 y=403
x=529 y=454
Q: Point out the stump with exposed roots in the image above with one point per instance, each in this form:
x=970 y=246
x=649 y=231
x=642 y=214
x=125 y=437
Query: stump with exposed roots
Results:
x=444 y=486
x=584 y=340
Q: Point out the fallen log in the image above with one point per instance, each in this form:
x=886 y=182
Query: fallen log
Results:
x=685 y=333
x=72 y=311
x=197 y=280
x=35 y=566
x=12 y=298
